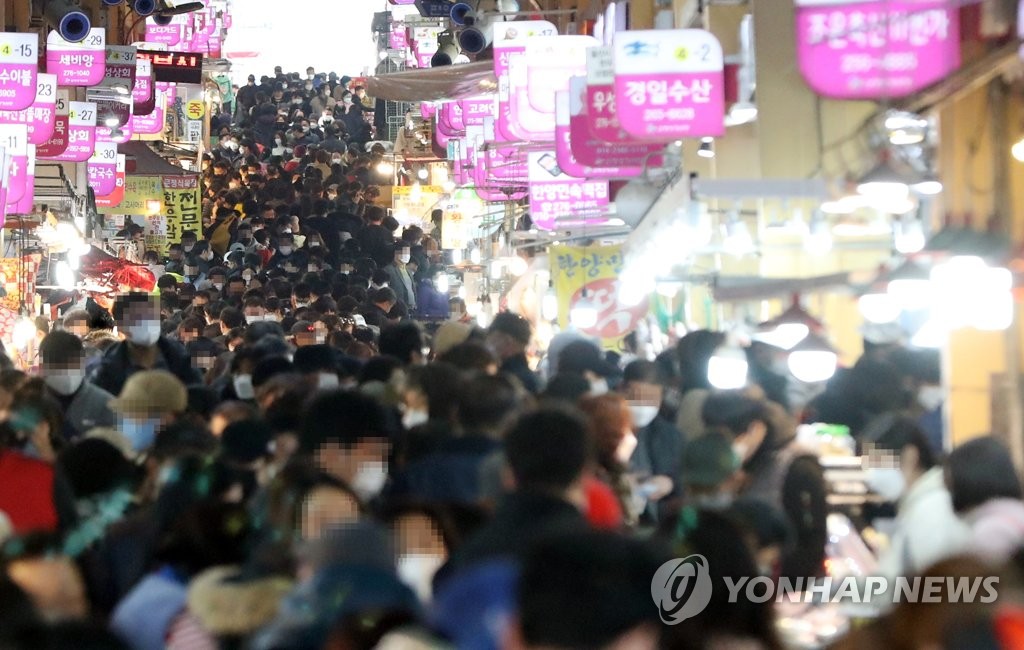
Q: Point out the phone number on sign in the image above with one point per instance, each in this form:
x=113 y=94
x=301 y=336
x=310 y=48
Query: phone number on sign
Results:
x=902 y=61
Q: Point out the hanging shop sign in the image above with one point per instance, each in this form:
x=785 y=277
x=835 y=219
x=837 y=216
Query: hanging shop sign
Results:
x=169 y=35
x=510 y=40
x=600 y=113
x=567 y=161
x=411 y=205
x=460 y=220
x=120 y=69
x=876 y=49
x=557 y=198
x=181 y=206
x=115 y=198
x=669 y=84
x=19 y=65
x=550 y=62
x=101 y=169
x=57 y=143
x=14 y=140
x=27 y=202
x=593 y=152
x=477 y=110
x=114 y=120
x=140 y=193
x=153 y=123
x=77 y=64
x=143 y=92
x=597 y=270
x=177 y=67
x=40 y=117
x=81 y=132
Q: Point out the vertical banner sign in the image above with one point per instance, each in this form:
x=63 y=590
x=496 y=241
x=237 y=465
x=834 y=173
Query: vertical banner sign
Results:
x=139 y=192
x=596 y=268
x=101 y=169
x=19 y=65
x=181 y=206
x=77 y=64
x=14 y=139
x=81 y=133
x=115 y=198
x=669 y=84
x=876 y=49
x=40 y=117
x=510 y=44
x=27 y=202
x=143 y=92
x=557 y=198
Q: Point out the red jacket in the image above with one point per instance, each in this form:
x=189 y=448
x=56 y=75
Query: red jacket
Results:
x=26 y=493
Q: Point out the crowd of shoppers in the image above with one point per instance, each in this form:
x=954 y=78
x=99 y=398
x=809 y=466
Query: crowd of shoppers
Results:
x=293 y=445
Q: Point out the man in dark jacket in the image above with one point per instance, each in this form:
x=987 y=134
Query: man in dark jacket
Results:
x=379 y=305
x=547 y=452
x=85 y=406
x=138 y=318
x=509 y=335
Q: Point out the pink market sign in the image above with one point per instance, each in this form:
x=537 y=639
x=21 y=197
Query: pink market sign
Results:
x=525 y=121
x=477 y=110
x=557 y=198
x=143 y=93
x=115 y=198
x=14 y=140
x=77 y=64
x=590 y=151
x=567 y=161
x=58 y=140
x=27 y=202
x=81 y=135
x=510 y=40
x=153 y=122
x=40 y=117
x=600 y=114
x=550 y=62
x=876 y=49
x=19 y=65
x=451 y=117
x=169 y=35
x=101 y=169
x=168 y=88
x=120 y=69
x=669 y=84
x=503 y=163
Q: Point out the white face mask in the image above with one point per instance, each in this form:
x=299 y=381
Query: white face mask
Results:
x=414 y=417
x=930 y=397
x=66 y=382
x=599 y=387
x=253 y=318
x=284 y=250
x=404 y=259
x=145 y=332
x=243 y=386
x=417 y=571
x=218 y=285
x=327 y=381
x=886 y=482
x=643 y=414
x=277 y=141
x=370 y=479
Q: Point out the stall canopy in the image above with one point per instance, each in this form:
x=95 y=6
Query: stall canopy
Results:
x=140 y=160
x=435 y=84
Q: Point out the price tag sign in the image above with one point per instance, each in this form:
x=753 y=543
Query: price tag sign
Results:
x=40 y=117
x=19 y=65
x=81 y=135
x=669 y=84
x=101 y=169
x=14 y=139
x=77 y=64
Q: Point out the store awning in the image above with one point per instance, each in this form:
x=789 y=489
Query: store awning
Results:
x=435 y=84
x=140 y=160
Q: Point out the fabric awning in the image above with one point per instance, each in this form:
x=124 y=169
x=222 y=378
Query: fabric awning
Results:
x=435 y=84
x=140 y=160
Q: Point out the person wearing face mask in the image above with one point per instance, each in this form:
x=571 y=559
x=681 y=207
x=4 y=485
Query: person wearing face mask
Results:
x=348 y=436
x=85 y=405
x=237 y=384
x=399 y=277
x=144 y=348
x=149 y=401
x=318 y=363
x=611 y=430
x=903 y=470
x=777 y=470
x=659 y=444
x=585 y=358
